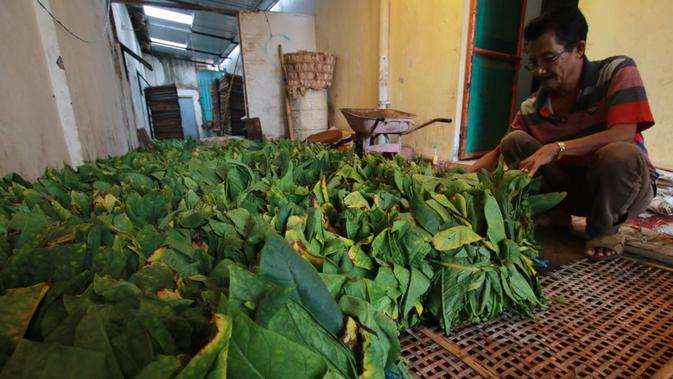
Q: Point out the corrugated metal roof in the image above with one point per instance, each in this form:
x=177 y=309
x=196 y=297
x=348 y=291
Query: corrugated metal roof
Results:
x=211 y=37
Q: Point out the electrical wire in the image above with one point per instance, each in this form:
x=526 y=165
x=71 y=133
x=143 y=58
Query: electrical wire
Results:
x=266 y=16
x=62 y=25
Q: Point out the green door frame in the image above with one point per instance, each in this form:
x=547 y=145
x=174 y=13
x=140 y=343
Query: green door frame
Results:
x=515 y=59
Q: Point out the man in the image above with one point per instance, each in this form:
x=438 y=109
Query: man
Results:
x=582 y=130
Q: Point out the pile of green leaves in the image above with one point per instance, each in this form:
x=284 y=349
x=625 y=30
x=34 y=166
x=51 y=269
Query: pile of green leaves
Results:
x=253 y=260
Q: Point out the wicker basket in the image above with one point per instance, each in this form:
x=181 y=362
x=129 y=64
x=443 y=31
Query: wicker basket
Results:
x=308 y=70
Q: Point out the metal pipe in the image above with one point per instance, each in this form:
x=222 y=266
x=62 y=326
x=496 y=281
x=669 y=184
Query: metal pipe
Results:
x=192 y=60
x=213 y=36
x=143 y=78
x=188 y=49
x=384 y=47
x=137 y=57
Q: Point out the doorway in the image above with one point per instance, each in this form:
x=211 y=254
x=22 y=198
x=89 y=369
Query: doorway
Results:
x=495 y=81
x=188 y=116
x=491 y=75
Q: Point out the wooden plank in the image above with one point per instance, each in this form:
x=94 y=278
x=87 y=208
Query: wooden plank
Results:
x=286 y=95
x=460 y=354
x=496 y=54
x=665 y=372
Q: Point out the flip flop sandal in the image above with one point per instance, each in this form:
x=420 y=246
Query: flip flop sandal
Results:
x=614 y=242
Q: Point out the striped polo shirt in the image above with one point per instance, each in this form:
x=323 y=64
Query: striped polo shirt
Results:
x=611 y=93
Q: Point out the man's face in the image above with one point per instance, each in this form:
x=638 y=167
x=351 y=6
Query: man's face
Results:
x=553 y=64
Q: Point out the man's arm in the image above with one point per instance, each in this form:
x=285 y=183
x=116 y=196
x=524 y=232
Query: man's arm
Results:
x=579 y=146
x=488 y=161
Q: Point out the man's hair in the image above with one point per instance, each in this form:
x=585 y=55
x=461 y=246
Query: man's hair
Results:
x=567 y=23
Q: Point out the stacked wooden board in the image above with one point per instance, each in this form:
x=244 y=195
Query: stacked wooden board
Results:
x=228 y=104
x=164 y=112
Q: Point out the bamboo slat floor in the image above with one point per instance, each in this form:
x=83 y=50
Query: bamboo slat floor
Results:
x=606 y=319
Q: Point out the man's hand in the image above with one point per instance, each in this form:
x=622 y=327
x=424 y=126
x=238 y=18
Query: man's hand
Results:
x=488 y=161
x=544 y=155
x=579 y=146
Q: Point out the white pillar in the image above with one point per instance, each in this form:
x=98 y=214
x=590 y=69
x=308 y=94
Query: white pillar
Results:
x=59 y=83
x=460 y=88
x=384 y=46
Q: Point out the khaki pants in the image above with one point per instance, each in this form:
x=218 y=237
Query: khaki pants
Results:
x=615 y=186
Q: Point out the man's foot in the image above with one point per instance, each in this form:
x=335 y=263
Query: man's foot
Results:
x=605 y=247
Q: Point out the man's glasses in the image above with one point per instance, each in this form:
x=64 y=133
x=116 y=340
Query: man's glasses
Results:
x=545 y=62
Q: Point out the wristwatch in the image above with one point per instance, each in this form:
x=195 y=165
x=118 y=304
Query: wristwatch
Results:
x=561 y=150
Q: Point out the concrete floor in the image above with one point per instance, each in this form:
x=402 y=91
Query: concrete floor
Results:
x=560 y=246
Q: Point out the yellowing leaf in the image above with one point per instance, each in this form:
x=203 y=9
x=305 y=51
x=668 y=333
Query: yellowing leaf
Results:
x=68 y=237
x=529 y=262
x=350 y=336
x=356 y=200
x=213 y=356
x=108 y=201
x=168 y=294
x=419 y=308
x=157 y=254
x=203 y=245
x=16 y=310
x=299 y=247
x=453 y=238
x=323 y=188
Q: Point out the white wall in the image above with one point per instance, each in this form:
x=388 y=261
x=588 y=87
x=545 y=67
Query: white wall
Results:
x=63 y=99
x=183 y=75
x=95 y=75
x=196 y=100
x=127 y=36
x=261 y=33
x=295 y=6
x=171 y=71
x=31 y=138
x=233 y=63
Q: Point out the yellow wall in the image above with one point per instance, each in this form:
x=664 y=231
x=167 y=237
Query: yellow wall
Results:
x=424 y=61
x=349 y=29
x=425 y=55
x=643 y=31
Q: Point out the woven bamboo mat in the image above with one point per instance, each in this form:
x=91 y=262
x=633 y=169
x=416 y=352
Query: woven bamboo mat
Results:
x=608 y=320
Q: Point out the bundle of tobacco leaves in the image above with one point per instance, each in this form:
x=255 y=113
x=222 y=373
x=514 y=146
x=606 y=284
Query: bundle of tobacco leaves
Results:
x=253 y=260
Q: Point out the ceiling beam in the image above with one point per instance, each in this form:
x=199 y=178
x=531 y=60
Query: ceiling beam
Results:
x=194 y=61
x=214 y=36
x=188 y=49
x=193 y=7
